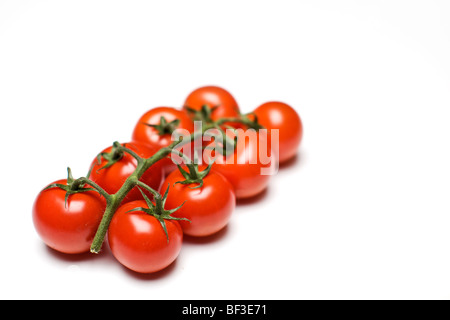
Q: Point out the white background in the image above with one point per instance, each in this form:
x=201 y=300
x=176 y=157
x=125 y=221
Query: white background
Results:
x=362 y=213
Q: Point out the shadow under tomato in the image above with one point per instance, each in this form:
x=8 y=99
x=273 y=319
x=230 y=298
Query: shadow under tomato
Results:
x=105 y=254
x=292 y=162
x=151 y=276
x=208 y=239
x=252 y=200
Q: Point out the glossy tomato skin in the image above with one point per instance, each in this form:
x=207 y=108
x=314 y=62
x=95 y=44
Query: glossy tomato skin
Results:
x=151 y=137
x=250 y=166
x=71 y=228
x=112 y=178
x=208 y=208
x=281 y=116
x=137 y=239
x=213 y=97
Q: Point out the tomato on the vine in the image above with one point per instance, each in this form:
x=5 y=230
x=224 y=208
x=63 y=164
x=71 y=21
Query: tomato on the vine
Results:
x=139 y=242
x=208 y=205
x=67 y=223
x=155 y=128
x=113 y=169
x=120 y=198
x=279 y=115
x=248 y=167
x=220 y=102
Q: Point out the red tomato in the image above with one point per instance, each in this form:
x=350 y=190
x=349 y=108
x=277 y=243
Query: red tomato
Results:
x=112 y=178
x=163 y=137
x=214 y=97
x=278 y=115
x=249 y=167
x=68 y=228
x=209 y=207
x=138 y=241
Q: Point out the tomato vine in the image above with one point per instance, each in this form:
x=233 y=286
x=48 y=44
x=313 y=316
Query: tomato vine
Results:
x=112 y=198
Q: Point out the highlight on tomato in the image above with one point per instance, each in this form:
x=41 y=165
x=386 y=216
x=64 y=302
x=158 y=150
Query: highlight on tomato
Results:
x=67 y=216
x=208 y=198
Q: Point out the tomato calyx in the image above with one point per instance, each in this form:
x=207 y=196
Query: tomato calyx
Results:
x=157 y=209
x=73 y=186
x=115 y=155
x=194 y=176
x=204 y=114
x=164 y=127
x=111 y=158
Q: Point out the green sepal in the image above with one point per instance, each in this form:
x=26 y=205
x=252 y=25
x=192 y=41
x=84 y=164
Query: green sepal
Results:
x=158 y=211
x=147 y=200
x=164 y=127
x=186 y=182
x=71 y=192
x=204 y=114
x=72 y=187
x=56 y=185
x=194 y=176
x=112 y=157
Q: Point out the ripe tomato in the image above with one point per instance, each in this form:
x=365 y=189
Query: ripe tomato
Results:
x=112 y=178
x=249 y=166
x=161 y=136
x=220 y=100
x=278 y=115
x=68 y=227
x=208 y=208
x=138 y=241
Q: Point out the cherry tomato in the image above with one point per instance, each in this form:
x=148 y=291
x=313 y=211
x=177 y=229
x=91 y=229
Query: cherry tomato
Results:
x=278 y=115
x=249 y=166
x=68 y=227
x=208 y=208
x=220 y=100
x=112 y=178
x=138 y=241
x=150 y=131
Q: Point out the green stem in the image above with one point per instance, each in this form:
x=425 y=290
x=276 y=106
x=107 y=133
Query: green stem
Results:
x=132 y=153
x=148 y=188
x=243 y=120
x=111 y=207
x=104 y=224
x=84 y=180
